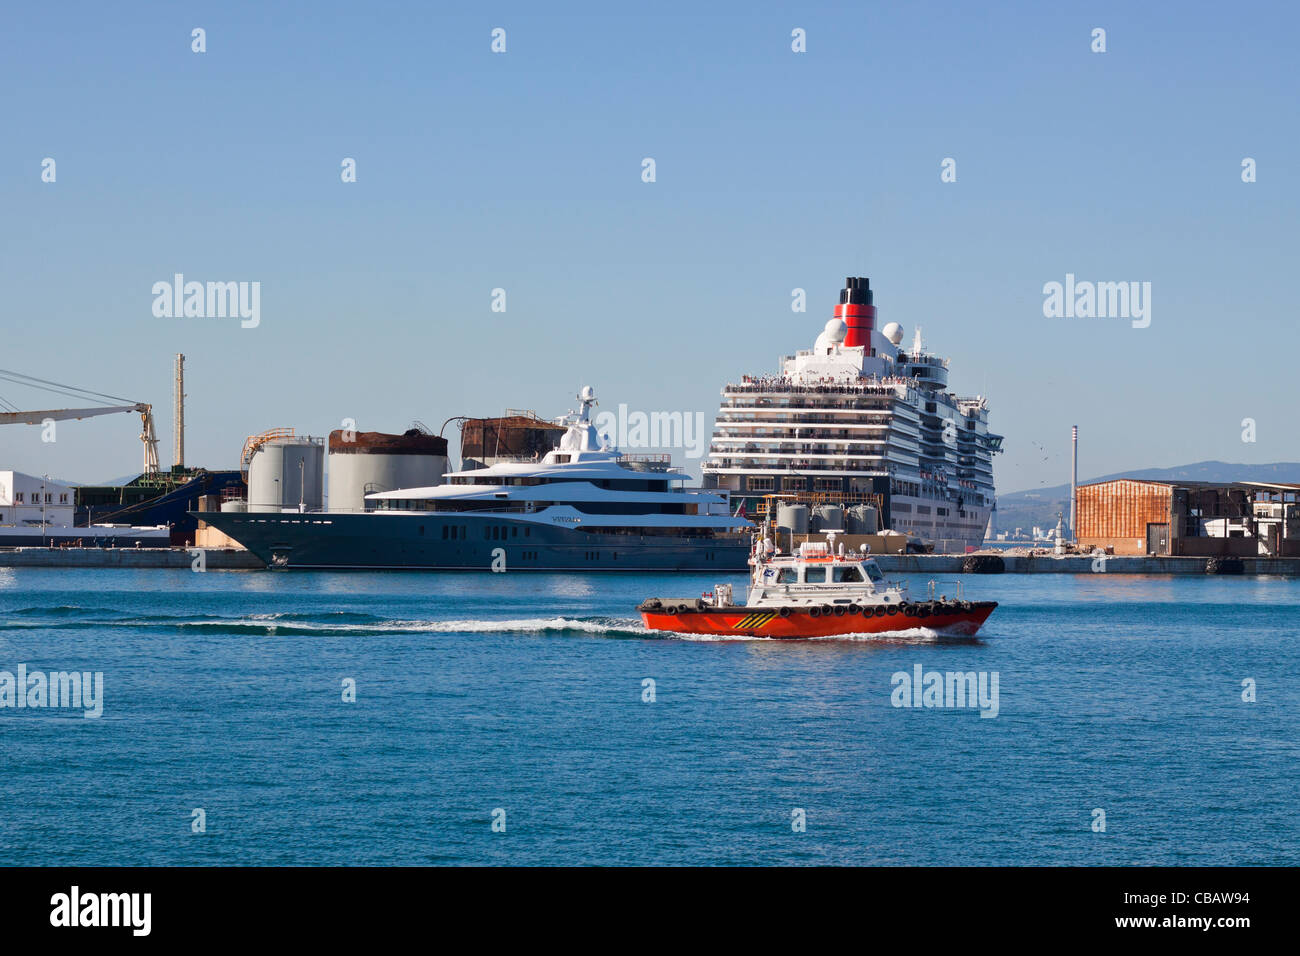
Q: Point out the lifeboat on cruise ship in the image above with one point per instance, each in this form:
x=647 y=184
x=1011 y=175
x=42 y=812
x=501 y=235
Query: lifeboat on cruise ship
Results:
x=814 y=592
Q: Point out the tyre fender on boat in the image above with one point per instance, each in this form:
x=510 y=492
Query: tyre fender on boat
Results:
x=892 y=609
x=786 y=611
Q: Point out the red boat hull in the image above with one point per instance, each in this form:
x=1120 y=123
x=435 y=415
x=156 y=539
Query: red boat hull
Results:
x=961 y=619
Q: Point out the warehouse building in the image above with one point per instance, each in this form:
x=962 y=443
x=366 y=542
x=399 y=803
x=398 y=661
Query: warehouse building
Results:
x=1190 y=518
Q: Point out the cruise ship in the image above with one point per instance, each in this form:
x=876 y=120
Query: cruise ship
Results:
x=584 y=506
x=860 y=419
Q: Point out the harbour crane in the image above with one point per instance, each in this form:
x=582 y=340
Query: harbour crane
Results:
x=14 y=416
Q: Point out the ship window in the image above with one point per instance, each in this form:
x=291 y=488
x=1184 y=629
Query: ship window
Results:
x=514 y=532
x=846 y=575
x=875 y=573
x=528 y=532
x=444 y=532
x=18 y=498
x=814 y=576
x=487 y=532
x=788 y=576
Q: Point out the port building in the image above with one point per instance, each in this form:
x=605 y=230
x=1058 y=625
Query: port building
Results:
x=32 y=501
x=1190 y=518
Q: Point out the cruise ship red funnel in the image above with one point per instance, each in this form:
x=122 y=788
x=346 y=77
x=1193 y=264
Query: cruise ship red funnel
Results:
x=857 y=312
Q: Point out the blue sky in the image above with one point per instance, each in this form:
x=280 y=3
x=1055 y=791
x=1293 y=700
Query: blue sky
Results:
x=522 y=171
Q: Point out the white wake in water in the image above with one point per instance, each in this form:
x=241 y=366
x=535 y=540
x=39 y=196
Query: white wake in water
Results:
x=348 y=624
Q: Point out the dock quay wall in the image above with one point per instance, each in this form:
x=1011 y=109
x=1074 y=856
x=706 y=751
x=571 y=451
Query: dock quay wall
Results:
x=1087 y=564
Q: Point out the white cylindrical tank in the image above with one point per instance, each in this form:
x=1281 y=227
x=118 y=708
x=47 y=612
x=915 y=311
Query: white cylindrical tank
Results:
x=363 y=463
x=286 y=473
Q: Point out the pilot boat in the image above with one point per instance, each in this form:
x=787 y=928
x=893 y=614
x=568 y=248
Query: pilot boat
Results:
x=815 y=592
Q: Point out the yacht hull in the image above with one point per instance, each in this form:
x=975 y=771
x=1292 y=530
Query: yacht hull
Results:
x=466 y=541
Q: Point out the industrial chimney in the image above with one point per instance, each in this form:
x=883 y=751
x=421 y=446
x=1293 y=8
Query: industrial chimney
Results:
x=857 y=312
x=1074 y=482
x=179 y=439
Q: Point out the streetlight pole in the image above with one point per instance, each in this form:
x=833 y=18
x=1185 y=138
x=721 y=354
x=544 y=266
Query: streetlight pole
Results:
x=44 y=482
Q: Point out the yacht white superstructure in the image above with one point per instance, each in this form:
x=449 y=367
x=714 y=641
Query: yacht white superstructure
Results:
x=584 y=481
x=860 y=419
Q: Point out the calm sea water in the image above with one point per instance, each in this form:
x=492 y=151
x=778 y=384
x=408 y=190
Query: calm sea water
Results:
x=223 y=691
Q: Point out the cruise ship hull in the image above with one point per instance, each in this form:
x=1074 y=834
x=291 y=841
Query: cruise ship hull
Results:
x=466 y=541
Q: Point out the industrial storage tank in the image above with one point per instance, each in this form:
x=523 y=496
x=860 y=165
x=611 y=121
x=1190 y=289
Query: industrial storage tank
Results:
x=285 y=473
x=792 y=518
x=363 y=463
x=829 y=518
x=863 y=519
x=518 y=436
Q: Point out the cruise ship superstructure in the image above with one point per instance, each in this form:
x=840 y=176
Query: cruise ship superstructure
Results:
x=860 y=419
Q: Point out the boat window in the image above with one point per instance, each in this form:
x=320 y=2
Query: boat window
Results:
x=788 y=576
x=814 y=576
x=875 y=573
x=847 y=575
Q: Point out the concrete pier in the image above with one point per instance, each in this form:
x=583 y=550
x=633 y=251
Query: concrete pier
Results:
x=1081 y=564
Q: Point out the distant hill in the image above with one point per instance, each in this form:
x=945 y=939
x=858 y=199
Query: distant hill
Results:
x=1024 y=509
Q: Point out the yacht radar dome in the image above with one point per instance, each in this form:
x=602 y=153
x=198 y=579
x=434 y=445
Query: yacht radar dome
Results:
x=894 y=332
